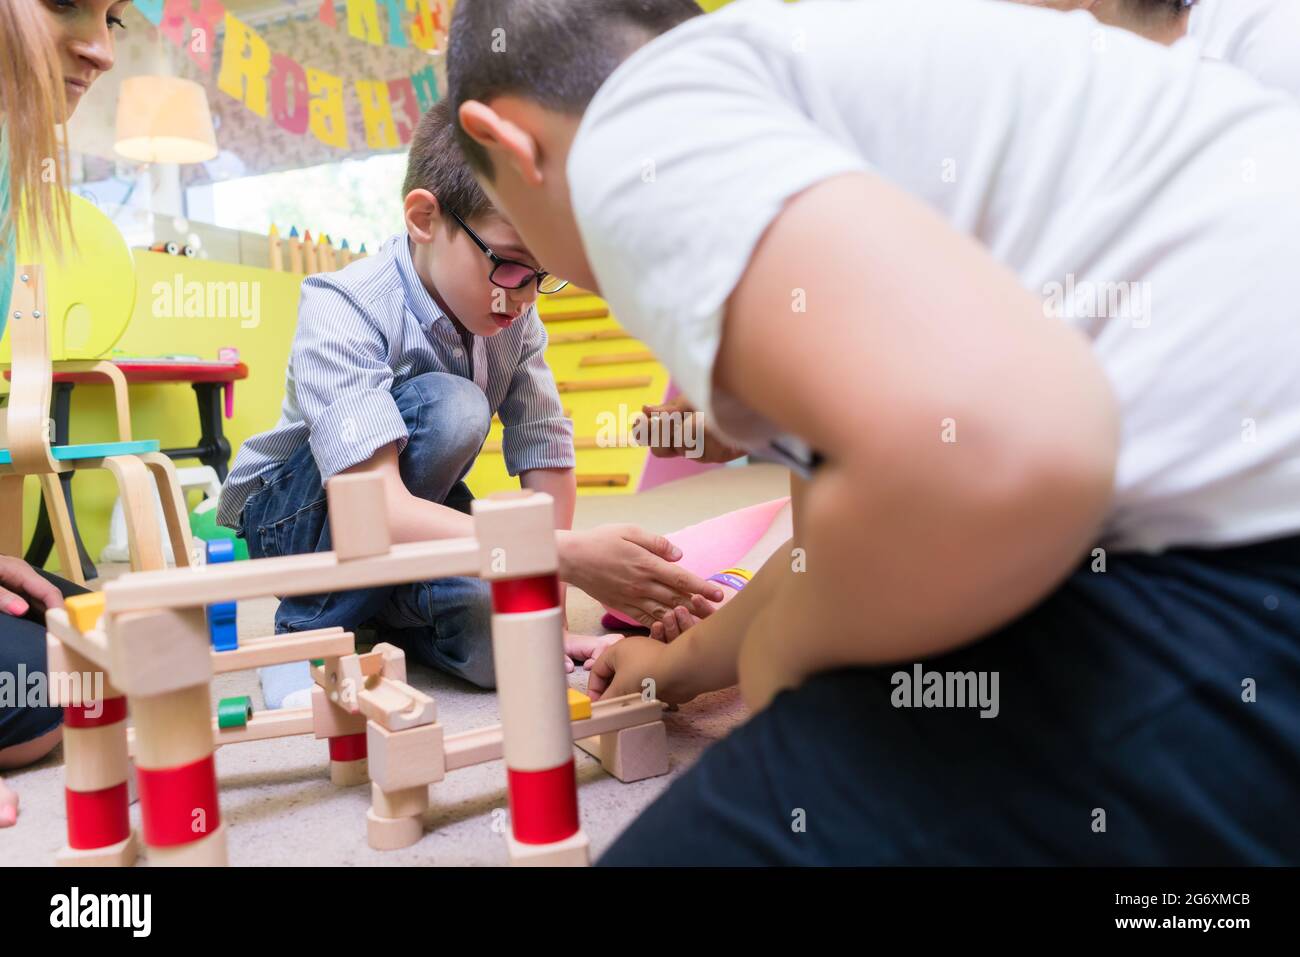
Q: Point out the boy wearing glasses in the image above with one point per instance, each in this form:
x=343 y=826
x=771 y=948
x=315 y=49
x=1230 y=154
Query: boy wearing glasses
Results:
x=398 y=365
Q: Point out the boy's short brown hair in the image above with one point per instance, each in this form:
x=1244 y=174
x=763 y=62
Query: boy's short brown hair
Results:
x=436 y=163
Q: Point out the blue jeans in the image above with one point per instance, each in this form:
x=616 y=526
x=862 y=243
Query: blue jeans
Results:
x=444 y=623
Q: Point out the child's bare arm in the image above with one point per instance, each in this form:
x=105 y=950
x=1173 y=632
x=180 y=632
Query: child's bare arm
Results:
x=410 y=518
x=969 y=442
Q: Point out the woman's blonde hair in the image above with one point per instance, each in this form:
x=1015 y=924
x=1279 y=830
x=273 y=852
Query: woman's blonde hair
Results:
x=32 y=104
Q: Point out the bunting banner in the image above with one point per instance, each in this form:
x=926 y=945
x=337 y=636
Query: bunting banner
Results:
x=421 y=24
x=299 y=99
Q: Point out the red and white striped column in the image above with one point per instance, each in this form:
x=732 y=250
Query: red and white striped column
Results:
x=517 y=544
x=177 y=778
x=96 y=763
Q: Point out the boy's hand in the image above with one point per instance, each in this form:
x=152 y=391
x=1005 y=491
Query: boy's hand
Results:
x=623 y=667
x=711 y=447
x=627 y=568
x=585 y=649
x=22 y=589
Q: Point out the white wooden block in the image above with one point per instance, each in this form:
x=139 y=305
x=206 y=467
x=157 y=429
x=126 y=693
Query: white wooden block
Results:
x=349 y=774
x=358 y=513
x=573 y=851
x=391 y=834
x=407 y=802
x=405 y=759
x=121 y=854
x=95 y=758
x=516 y=534
x=528 y=651
x=207 y=851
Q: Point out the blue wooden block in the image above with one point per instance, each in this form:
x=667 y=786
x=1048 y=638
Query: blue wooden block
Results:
x=221 y=550
x=221 y=626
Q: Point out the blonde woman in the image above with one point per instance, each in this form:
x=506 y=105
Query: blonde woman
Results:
x=51 y=52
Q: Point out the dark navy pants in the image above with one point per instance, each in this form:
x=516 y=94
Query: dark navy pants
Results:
x=1148 y=715
x=22 y=652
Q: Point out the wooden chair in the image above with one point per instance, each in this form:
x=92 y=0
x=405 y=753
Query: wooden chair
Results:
x=25 y=448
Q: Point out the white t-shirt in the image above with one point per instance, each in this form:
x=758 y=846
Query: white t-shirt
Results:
x=1261 y=37
x=1082 y=157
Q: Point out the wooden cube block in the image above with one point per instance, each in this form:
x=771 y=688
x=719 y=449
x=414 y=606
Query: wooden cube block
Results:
x=405 y=759
x=84 y=611
x=331 y=721
x=579 y=705
x=636 y=753
x=516 y=534
x=152 y=652
x=358 y=512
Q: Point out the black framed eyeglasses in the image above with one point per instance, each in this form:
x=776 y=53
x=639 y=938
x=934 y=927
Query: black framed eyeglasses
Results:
x=509 y=274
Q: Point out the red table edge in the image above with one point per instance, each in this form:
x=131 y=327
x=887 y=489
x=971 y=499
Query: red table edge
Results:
x=159 y=372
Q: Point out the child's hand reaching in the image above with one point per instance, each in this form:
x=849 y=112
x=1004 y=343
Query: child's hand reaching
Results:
x=677 y=620
x=585 y=648
x=622 y=669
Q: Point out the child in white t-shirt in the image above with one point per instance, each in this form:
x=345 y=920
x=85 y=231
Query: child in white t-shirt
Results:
x=1260 y=37
x=1020 y=309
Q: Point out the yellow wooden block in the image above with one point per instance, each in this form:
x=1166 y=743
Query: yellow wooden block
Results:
x=84 y=611
x=579 y=705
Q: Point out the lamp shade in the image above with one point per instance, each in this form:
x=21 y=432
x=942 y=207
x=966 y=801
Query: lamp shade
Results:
x=164 y=119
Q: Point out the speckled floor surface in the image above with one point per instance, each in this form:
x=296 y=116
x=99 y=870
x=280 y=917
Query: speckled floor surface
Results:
x=281 y=808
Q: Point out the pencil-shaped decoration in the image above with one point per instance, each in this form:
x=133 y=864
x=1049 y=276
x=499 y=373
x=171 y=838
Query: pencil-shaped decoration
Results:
x=345 y=254
x=361 y=253
x=326 y=254
x=295 y=251
x=309 y=254
x=276 y=249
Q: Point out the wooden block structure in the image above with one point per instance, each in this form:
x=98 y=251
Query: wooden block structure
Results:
x=147 y=636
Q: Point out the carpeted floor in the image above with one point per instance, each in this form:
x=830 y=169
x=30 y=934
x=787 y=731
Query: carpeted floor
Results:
x=281 y=808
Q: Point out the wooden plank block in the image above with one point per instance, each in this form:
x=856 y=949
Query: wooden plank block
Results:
x=600 y=480
x=358 y=515
x=613 y=714
x=597 y=385
x=600 y=335
x=278 y=649
x=569 y=315
x=484 y=744
x=266 y=724
x=616 y=358
x=291 y=575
